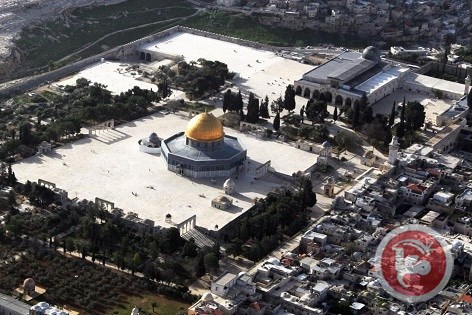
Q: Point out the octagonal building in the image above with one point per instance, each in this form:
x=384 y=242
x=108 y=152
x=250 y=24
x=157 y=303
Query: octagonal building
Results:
x=204 y=150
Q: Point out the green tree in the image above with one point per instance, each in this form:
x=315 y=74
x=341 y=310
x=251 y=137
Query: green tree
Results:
x=200 y=265
x=308 y=195
x=402 y=113
x=356 y=115
x=363 y=102
x=238 y=102
x=289 y=99
x=228 y=101
x=164 y=89
x=391 y=119
x=345 y=141
x=190 y=249
x=316 y=109
x=319 y=133
x=235 y=247
x=469 y=98
x=171 y=240
x=216 y=249
x=211 y=262
x=277 y=106
x=81 y=83
x=276 y=123
x=335 y=114
x=414 y=115
x=252 y=109
x=11 y=178
x=400 y=130
x=367 y=115
x=264 y=109
x=25 y=134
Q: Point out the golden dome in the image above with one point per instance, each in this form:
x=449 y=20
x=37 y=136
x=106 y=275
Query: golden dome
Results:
x=204 y=127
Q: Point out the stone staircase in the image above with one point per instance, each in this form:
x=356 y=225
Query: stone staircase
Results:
x=200 y=239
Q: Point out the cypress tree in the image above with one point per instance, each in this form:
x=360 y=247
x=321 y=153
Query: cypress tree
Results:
x=276 y=123
x=335 y=114
x=238 y=102
x=391 y=119
x=356 y=115
x=402 y=114
x=469 y=99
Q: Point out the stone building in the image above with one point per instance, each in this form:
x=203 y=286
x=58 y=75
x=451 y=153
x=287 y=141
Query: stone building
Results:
x=347 y=77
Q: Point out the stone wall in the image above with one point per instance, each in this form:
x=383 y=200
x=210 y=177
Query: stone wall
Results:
x=121 y=53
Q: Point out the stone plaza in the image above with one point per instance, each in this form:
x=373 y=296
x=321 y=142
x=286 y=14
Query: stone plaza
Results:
x=110 y=166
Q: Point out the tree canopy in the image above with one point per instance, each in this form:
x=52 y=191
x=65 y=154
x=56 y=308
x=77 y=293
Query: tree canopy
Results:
x=289 y=99
x=414 y=115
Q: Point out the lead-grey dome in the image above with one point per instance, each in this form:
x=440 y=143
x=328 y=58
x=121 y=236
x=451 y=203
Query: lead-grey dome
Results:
x=371 y=53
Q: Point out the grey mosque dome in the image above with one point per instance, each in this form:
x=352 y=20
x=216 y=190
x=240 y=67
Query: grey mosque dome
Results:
x=371 y=53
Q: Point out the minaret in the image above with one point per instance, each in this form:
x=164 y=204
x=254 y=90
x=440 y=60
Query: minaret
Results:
x=467 y=84
x=393 y=150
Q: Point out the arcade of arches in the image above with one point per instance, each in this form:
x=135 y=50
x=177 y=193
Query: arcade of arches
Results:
x=336 y=99
x=145 y=56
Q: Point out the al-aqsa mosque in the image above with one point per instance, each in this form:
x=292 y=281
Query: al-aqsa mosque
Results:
x=204 y=150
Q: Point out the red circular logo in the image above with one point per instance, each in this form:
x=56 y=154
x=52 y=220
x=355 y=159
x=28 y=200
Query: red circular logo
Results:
x=413 y=263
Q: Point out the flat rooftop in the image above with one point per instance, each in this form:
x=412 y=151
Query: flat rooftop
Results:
x=110 y=166
x=14 y=305
x=435 y=83
x=343 y=67
x=381 y=79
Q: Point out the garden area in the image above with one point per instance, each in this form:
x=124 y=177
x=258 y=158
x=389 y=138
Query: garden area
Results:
x=150 y=304
x=32 y=118
x=196 y=79
x=278 y=215
x=87 y=287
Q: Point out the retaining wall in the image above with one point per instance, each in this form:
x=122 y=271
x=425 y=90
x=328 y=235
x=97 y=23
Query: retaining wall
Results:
x=121 y=53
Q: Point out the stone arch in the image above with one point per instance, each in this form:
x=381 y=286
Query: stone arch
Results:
x=316 y=94
x=142 y=55
x=348 y=102
x=298 y=90
x=148 y=57
x=307 y=93
x=338 y=100
x=327 y=96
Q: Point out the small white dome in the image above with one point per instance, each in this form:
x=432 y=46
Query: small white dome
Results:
x=229 y=183
x=207 y=297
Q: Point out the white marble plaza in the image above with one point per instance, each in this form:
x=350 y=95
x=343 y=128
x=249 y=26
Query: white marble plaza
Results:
x=111 y=167
x=261 y=72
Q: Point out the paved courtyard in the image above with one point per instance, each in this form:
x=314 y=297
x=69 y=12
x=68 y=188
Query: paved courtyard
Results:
x=258 y=71
x=110 y=166
x=433 y=107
